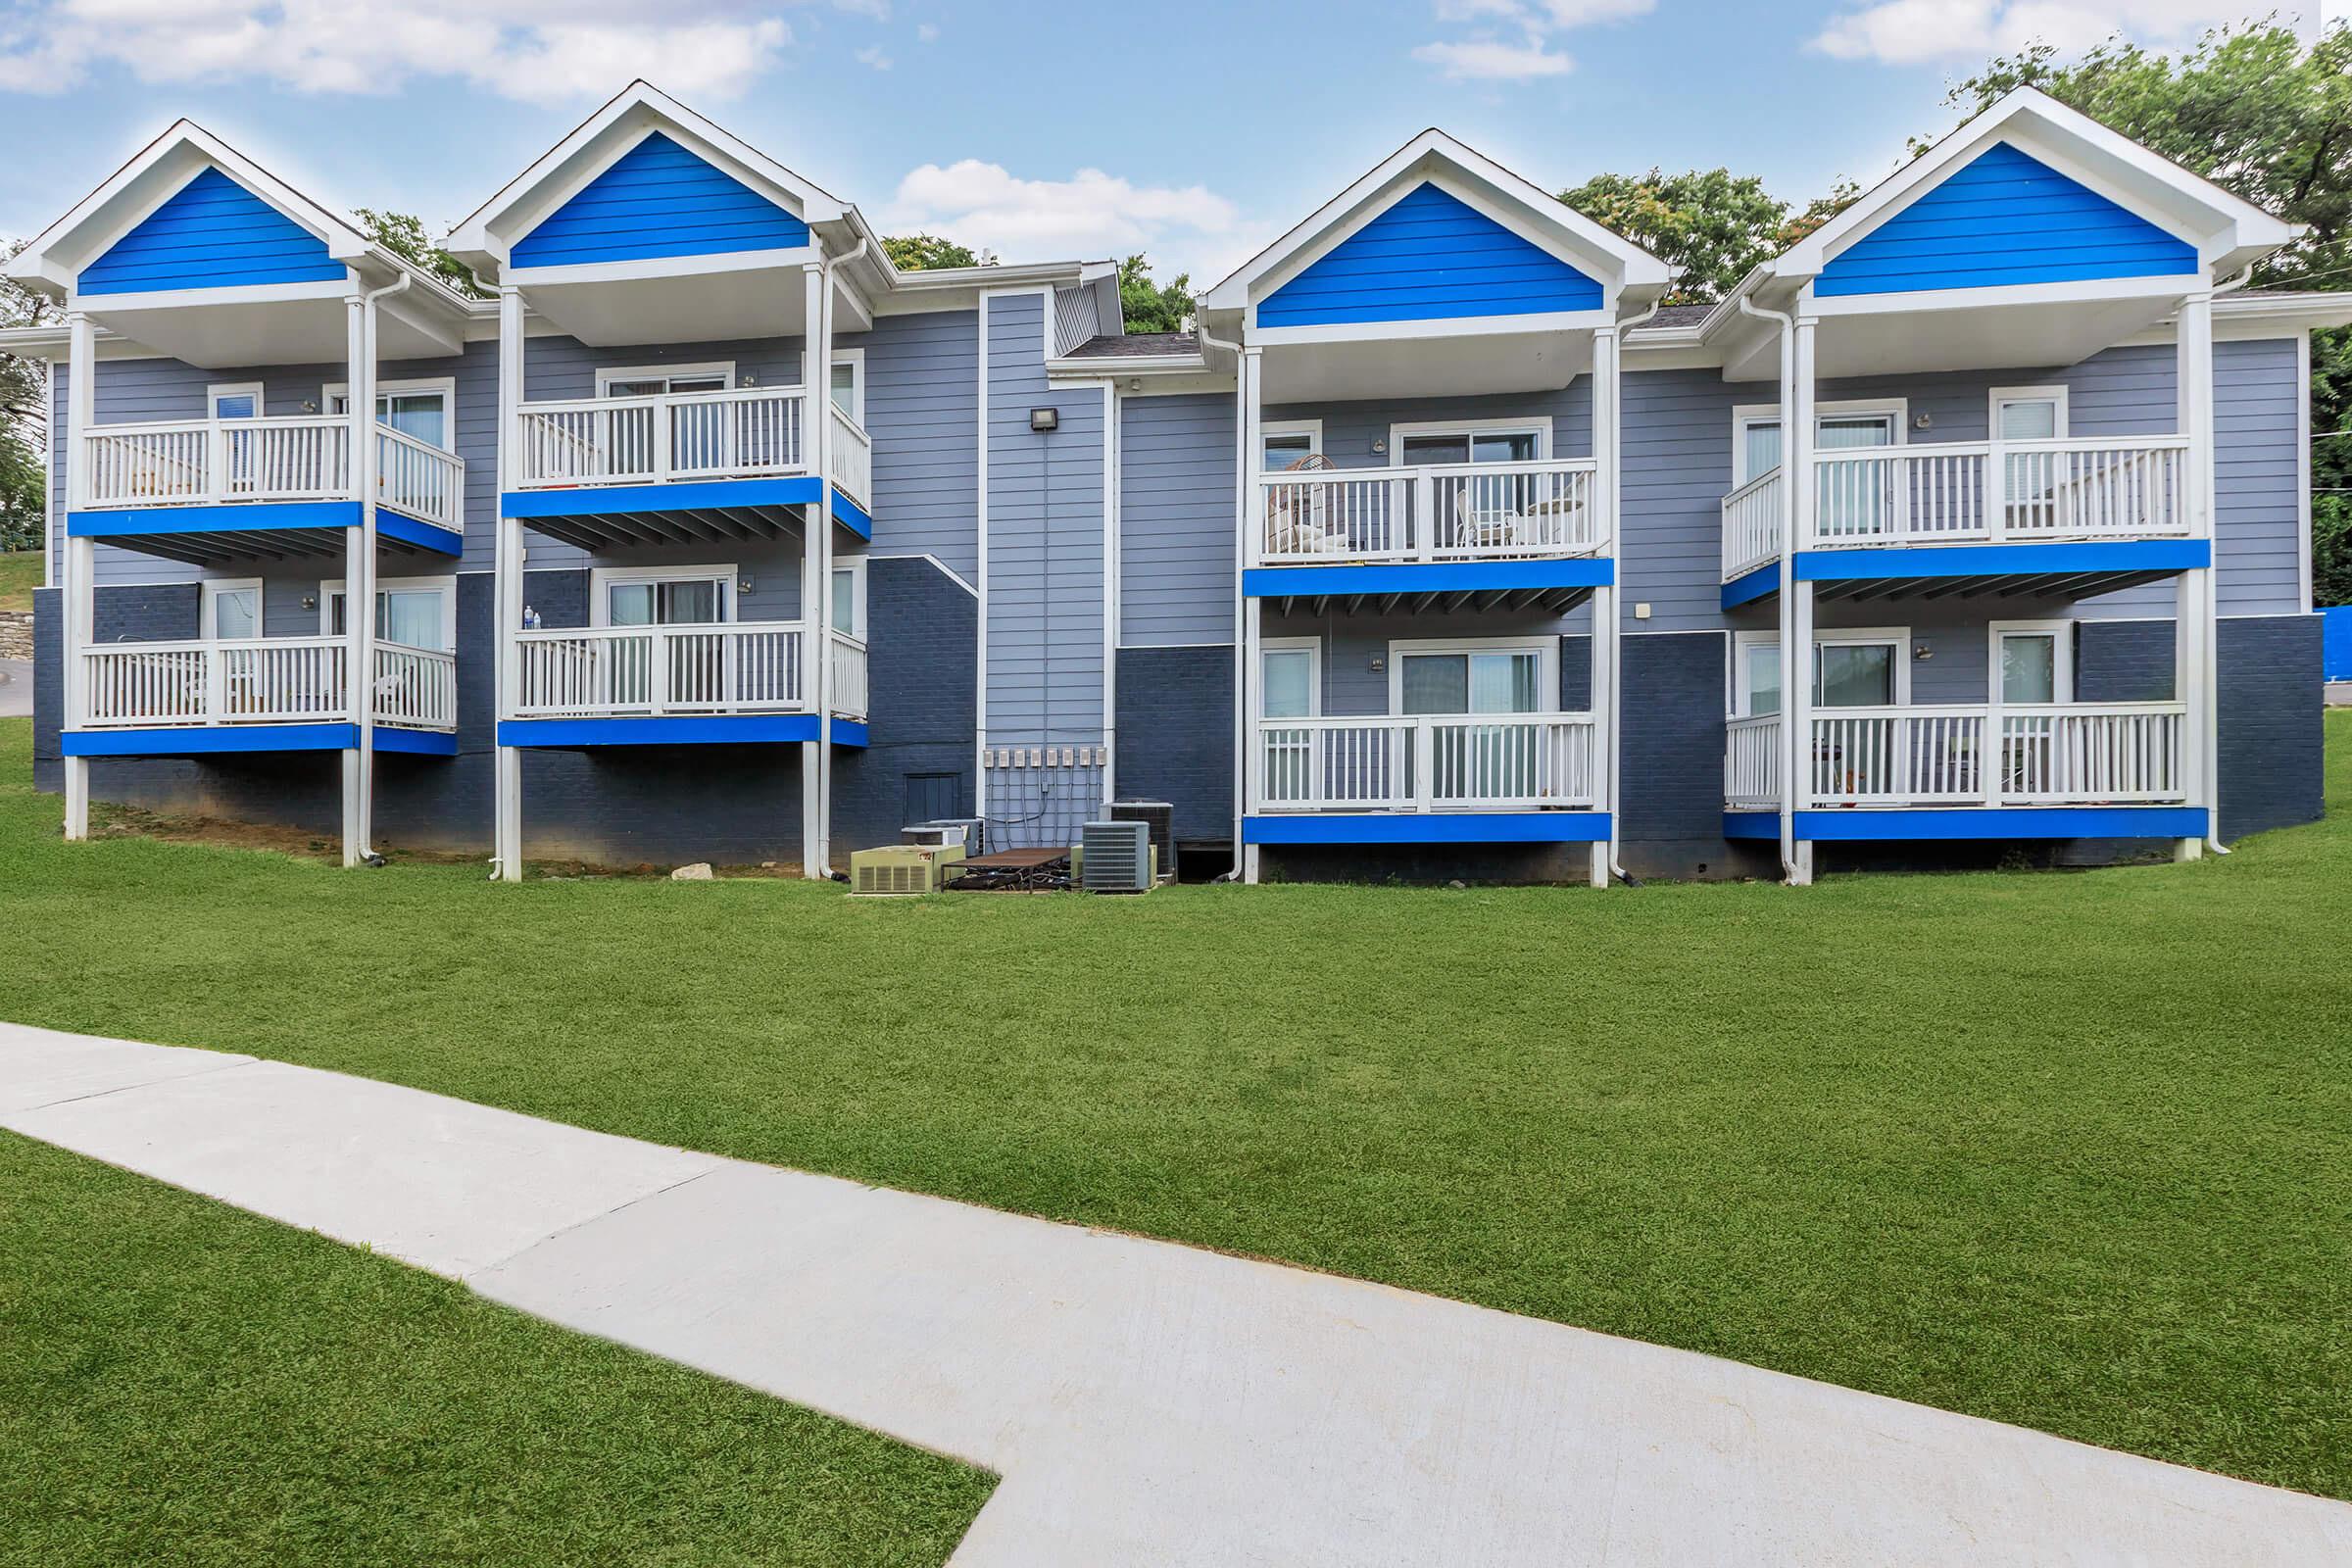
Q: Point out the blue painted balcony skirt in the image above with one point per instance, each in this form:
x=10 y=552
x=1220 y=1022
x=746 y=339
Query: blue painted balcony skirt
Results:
x=312 y=527
x=229 y=738
x=1427 y=577
x=2094 y=565
x=1876 y=824
x=697 y=729
x=1429 y=827
x=692 y=501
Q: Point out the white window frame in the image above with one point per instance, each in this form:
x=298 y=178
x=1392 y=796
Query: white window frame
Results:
x=856 y=360
x=1743 y=647
x=1744 y=414
x=607 y=374
x=213 y=393
x=446 y=385
x=1313 y=429
x=2062 y=656
x=208 y=623
x=1548 y=673
x=1539 y=425
x=332 y=588
x=1312 y=647
x=601 y=581
x=1824 y=637
x=2023 y=394
x=854 y=565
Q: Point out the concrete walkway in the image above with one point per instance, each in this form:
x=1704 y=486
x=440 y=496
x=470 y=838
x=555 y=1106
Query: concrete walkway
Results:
x=1146 y=1404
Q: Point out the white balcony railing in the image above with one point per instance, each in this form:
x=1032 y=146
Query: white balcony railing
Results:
x=847 y=675
x=1459 y=512
x=299 y=458
x=851 y=459
x=415 y=688
x=740 y=667
x=267 y=680
x=1751 y=525
x=2047 y=755
x=1515 y=761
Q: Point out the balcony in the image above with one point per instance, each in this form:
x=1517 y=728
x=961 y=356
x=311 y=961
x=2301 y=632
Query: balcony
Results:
x=257 y=694
x=2009 y=500
x=2028 y=771
x=1488 y=763
x=688 y=439
x=696 y=683
x=286 y=476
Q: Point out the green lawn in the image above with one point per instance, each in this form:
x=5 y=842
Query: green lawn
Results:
x=2067 y=1149
x=20 y=575
x=183 y=1383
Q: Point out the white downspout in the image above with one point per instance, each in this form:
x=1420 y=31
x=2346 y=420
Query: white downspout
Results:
x=2206 y=471
x=1614 y=711
x=820 y=391
x=359 y=598
x=1240 y=555
x=1789 y=749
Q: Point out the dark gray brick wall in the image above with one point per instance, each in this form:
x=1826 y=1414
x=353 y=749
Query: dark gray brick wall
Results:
x=2270 y=706
x=1576 y=674
x=1175 y=736
x=2123 y=662
x=922 y=676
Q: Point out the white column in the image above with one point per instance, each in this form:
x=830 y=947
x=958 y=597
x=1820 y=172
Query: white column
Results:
x=1606 y=626
x=2195 y=632
x=1796 y=647
x=78 y=601
x=817 y=534
x=358 y=599
x=506 y=839
x=1252 y=410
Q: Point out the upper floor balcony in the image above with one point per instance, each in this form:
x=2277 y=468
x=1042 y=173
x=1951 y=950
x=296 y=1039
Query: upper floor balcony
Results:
x=1991 y=495
x=1317 y=514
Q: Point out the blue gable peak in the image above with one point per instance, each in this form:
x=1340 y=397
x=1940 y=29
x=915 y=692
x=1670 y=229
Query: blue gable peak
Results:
x=1428 y=256
x=2004 y=218
x=212 y=233
x=658 y=199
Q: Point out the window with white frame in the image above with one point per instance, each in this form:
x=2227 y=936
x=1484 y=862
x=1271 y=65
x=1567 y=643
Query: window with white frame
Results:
x=424 y=409
x=1505 y=675
x=232 y=609
x=2033 y=660
x=1290 y=677
x=666 y=596
x=1283 y=444
x=849 y=597
x=1836 y=427
x=240 y=400
x=2028 y=414
x=1862 y=668
x=656 y=380
x=847 y=384
x=1756 y=674
x=411 y=611
x=1483 y=441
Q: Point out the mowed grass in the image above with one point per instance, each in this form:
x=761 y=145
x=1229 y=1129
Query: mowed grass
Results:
x=183 y=1383
x=20 y=575
x=2067 y=1149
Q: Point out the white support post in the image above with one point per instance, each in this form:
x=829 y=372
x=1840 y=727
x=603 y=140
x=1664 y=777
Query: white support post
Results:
x=2196 y=631
x=817 y=534
x=77 y=620
x=1796 y=647
x=1607 y=629
x=1247 y=695
x=506 y=840
x=359 y=597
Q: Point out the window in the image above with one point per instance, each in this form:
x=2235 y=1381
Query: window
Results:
x=2033 y=660
x=1836 y=427
x=674 y=596
x=1283 y=444
x=655 y=380
x=1512 y=441
x=411 y=611
x=848 y=385
x=232 y=609
x=2029 y=413
x=1861 y=669
x=420 y=408
x=1756 y=674
x=1508 y=676
x=1291 y=684
x=849 y=598
x=242 y=401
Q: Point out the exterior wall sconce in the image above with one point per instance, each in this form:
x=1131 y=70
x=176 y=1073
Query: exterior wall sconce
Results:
x=1380 y=443
x=1921 y=653
x=1043 y=421
x=310 y=601
x=1922 y=421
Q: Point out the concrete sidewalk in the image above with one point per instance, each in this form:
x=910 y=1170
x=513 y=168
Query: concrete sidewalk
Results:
x=1145 y=1403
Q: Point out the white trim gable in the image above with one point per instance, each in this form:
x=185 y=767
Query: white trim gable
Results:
x=485 y=237
x=55 y=257
x=2228 y=231
x=1435 y=158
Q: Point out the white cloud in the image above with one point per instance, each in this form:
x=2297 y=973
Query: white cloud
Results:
x=540 y=51
x=1909 y=32
x=1090 y=215
x=924 y=33
x=1510 y=40
x=1491 y=60
x=874 y=57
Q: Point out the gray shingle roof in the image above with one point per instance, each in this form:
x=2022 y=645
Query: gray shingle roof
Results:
x=1138 y=346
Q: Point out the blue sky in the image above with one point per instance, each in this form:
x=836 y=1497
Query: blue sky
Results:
x=1194 y=132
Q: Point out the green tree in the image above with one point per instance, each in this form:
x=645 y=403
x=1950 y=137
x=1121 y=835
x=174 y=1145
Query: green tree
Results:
x=24 y=395
x=1711 y=226
x=918 y=253
x=1150 y=307
x=404 y=235
x=2262 y=114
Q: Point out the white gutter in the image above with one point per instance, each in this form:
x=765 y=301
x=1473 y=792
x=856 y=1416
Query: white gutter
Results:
x=1241 y=652
x=1789 y=749
x=2212 y=613
x=820 y=614
x=1614 y=699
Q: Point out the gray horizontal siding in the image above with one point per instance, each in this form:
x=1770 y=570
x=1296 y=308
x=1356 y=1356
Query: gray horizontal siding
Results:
x=923 y=410
x=1176 y=520
x=1351 y=429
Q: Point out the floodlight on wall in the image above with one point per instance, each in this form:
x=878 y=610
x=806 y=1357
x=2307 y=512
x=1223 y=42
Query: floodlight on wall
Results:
x=1043 y=421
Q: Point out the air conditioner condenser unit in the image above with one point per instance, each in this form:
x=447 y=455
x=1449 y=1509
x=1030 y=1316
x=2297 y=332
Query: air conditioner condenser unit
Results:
x=903 y=870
